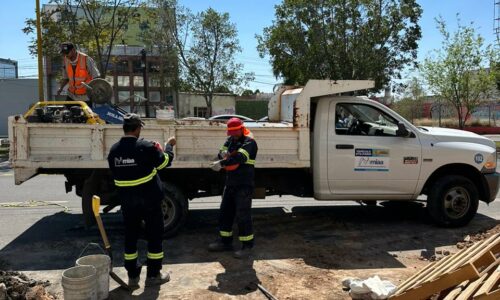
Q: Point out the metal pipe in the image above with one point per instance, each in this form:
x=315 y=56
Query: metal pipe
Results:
x=39 y=52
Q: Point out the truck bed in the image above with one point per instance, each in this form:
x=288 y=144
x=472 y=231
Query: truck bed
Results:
x=41 y=147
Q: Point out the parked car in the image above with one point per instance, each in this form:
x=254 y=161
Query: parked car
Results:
x=227 y=117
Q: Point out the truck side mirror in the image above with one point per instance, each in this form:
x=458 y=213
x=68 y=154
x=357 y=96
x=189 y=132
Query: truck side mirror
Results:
x=402 y=131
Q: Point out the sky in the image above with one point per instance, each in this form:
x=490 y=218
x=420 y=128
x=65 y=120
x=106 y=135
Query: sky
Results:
x=250 y=17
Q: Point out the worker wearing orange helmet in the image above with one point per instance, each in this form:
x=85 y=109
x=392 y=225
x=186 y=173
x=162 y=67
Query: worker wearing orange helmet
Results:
x=237 y=158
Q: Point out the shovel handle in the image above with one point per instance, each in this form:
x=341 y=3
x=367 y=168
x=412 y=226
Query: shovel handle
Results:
x=96 y=204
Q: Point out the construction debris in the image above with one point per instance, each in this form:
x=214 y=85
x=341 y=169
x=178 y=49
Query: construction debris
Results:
x=17 y=286
x=471 y=273
x=371 y=288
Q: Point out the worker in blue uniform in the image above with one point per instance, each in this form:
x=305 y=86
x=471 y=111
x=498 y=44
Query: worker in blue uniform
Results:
x=135 y=164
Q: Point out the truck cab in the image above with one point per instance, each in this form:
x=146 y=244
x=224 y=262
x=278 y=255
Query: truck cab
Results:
x=362 y=150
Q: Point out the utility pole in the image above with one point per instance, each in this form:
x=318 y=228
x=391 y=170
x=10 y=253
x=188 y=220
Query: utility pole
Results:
x=39 y=52
x=145 y=79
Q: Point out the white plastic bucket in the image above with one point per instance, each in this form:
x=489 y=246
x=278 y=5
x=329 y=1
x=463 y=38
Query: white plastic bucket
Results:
x=80 y=283
x=101 y=263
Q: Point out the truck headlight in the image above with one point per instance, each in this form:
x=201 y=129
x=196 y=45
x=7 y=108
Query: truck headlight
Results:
x=490 y=165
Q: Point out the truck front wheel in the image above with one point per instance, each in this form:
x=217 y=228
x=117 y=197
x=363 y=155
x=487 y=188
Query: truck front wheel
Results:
x=452 y=201
x=175 y=209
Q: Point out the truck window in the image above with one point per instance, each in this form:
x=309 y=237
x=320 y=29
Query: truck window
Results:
x=362 y=119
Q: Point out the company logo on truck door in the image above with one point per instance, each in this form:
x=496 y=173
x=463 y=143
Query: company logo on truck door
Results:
x=371 y=160
x=124 y=162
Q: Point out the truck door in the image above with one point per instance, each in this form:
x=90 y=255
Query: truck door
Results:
x=365 y=157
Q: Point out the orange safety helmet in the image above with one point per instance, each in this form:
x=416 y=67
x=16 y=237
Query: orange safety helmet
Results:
x=234 y=127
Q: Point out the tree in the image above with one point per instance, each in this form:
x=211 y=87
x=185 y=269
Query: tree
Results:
x=462 y=70
x=342 y=39
x=206 y=44
x=411 y=104
x=157 y=38
x=95 y=25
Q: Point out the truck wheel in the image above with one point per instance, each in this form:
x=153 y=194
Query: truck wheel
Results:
x=175 y=209
x=452 y=201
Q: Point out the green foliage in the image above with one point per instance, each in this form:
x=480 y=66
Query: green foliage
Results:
x=462 y=71
x=206 y=44
x=252 y=109
x=339 y=39
x=411 y=105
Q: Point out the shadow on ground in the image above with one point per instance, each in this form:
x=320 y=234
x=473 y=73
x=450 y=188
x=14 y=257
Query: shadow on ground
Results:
x=330 y=237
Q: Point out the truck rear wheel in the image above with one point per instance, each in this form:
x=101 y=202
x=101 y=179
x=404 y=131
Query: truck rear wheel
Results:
x=175 y=209
x=452 y=201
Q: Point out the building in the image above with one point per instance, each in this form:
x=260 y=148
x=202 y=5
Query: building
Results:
x=194 y=105
x=16 y=96
x=8 y=69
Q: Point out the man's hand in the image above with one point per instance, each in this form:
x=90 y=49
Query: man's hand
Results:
x=216 y=166
x=157 y=146
x=172 y=141
x=59 y=91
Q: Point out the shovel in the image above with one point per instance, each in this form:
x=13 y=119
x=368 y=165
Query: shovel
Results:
x=96 y=204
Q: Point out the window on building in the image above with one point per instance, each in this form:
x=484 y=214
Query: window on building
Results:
x=137 y=66
x=138 y=81
x=122 y=66
x=201 y=112
x=154 y=96
x=123 y=80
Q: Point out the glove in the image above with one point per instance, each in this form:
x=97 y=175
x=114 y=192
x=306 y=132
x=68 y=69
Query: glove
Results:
x=157 y=146
x=224 y=154
x=216 y=166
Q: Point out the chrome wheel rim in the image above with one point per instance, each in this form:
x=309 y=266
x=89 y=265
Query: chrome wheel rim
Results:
x=457 y=202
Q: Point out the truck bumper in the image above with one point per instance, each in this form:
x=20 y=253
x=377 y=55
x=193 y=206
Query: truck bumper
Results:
x=493 y=182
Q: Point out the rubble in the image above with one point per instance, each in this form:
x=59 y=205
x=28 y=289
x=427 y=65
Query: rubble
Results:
x=17 y=286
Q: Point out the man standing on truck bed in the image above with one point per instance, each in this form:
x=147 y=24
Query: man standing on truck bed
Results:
x=237 y=158
x=78 y=68
x=134 y=163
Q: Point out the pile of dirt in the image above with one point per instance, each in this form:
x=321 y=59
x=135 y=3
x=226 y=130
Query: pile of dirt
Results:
x=17 y=286
x=471 y=239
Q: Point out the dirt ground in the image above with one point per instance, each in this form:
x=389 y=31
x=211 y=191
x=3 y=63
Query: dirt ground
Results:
x=304 y=253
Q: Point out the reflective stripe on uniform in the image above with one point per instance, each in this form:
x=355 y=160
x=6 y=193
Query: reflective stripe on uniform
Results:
x=246 y=238
x=226 y=233
x=245 y=153
x=123 y=183
x=165 y=163
x=131 y=256
x=223 y=148
x=158 y=255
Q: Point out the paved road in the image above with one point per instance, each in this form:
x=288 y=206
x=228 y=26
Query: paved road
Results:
x=48 y=197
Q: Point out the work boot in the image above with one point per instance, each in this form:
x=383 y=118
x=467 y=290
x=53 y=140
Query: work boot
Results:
x=133 y=282
x=159 y=279
x=244 y=253
x=219 y=246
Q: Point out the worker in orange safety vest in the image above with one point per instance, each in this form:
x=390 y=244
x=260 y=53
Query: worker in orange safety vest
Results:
x=78 y=68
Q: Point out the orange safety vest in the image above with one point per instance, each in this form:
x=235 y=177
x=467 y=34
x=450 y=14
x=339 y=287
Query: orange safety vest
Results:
x=80 y=75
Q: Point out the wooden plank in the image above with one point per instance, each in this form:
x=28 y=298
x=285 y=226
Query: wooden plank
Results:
x=421 y=275
x=472 y=254
x=471 y=288
x=491 y=283
x=456 y=291
x=446 y=281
